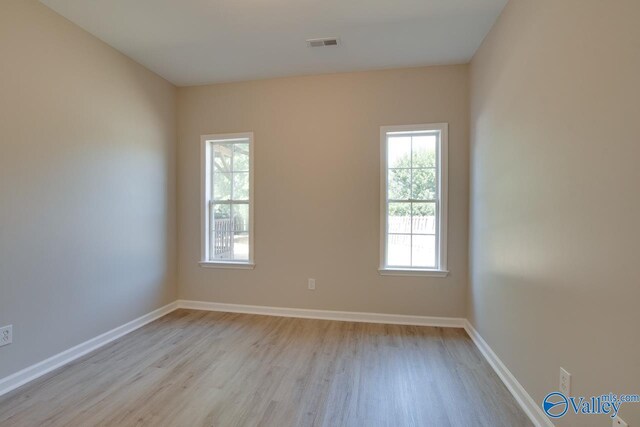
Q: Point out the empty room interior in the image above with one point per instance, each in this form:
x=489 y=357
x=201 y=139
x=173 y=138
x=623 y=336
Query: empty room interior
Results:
x=319 y=213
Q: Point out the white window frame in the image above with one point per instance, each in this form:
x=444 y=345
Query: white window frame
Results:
x=441 y=204
x=206 y=143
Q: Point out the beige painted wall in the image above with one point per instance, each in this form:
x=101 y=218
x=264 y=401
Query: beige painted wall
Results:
x=87 y=186
x=554 y=207
x=317 y=166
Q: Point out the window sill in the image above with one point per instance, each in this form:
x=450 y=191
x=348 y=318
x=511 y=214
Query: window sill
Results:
x=231 y=265
x=412 y=272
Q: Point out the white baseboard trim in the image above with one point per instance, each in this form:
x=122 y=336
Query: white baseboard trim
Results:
x=33 y=372
x=526 y=402
x=347 y=316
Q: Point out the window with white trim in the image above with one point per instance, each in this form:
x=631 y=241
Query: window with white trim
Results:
x=227 y=200
x=414 y=199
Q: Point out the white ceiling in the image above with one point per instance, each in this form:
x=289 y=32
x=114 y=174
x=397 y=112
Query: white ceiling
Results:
x=193 y=42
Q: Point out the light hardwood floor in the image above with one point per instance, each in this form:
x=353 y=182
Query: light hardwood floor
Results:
x=197 y=368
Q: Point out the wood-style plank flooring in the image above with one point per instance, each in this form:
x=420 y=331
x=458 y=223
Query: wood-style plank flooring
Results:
x=197 y=368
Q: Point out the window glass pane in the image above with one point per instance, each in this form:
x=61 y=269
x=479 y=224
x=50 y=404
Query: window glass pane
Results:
x=423 y=184
x=424 y=218
x=240 y=246
x=398 y=250
x=399 y=184
x=228 y=210
x=222 y=233
x=221 y=212
x=230 y=235
x=399 y=219
x=423 y=251
x=399 y=151
x=424 y=151
x=240 y=215
x=221 y=158
x=412 y=179
x=221 y=186
x=240 y=157
x=241 y=186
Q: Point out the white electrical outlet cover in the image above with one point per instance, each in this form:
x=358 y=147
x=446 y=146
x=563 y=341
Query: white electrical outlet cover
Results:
x=565 y=382
x=6 y=335
x=619 y=422
x=312 y=284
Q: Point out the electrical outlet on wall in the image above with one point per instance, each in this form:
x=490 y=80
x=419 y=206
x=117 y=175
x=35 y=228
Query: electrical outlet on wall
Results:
x=619 y=422
x=565 y=382
x=6 y=335
x=312 y=284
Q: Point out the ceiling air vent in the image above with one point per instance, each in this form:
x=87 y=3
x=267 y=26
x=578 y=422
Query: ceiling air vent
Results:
x=332 y=41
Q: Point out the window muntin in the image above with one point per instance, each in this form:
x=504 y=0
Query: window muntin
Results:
x=414 y=197
x=228 y=201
